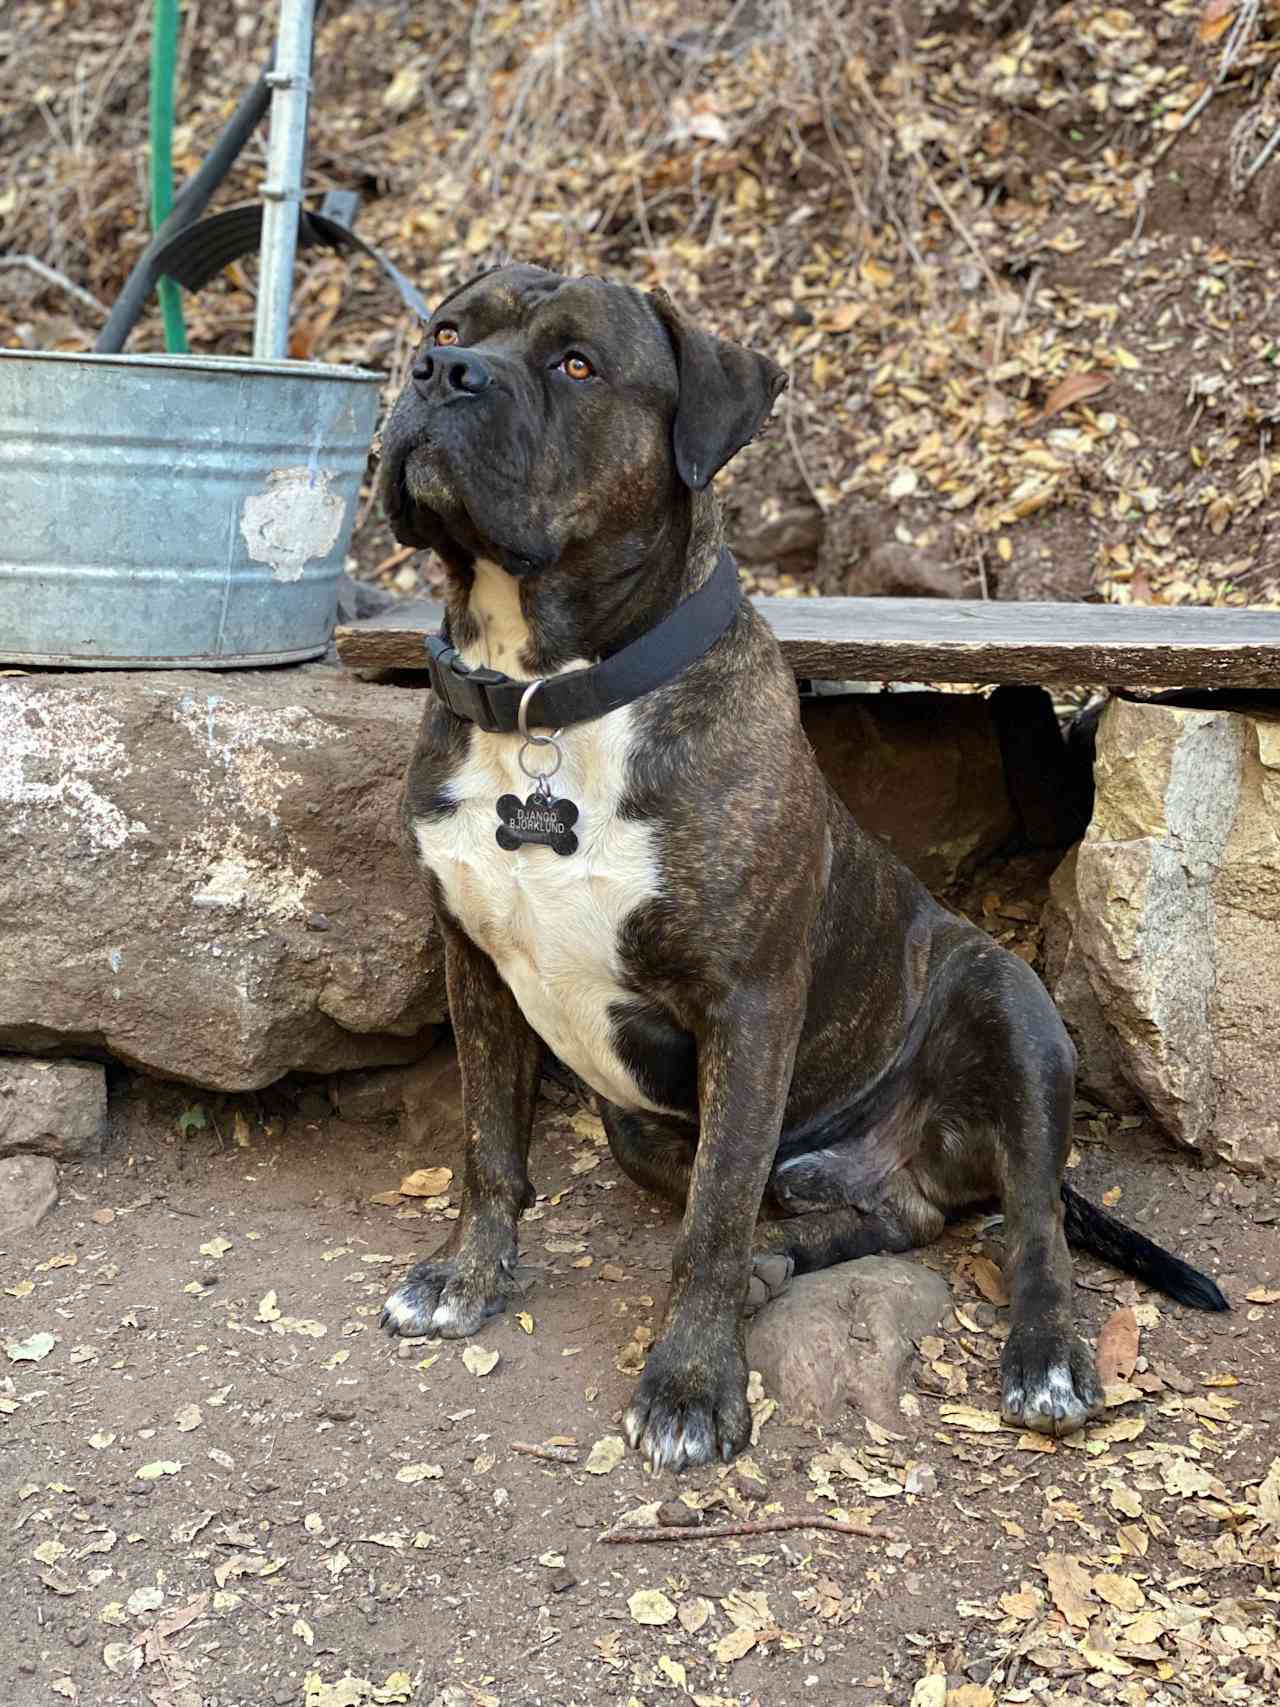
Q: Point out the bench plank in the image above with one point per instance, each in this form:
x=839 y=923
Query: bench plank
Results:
x=953 y=640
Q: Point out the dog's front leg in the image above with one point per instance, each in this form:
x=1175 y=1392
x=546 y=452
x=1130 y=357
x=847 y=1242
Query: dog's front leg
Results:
x=691 y=1404
x=501 y=1061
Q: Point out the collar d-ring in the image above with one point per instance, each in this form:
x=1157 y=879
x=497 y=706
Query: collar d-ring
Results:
x=522 y=718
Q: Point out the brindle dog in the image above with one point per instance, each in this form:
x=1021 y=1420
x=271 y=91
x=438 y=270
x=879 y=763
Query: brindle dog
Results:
x=773 y=1013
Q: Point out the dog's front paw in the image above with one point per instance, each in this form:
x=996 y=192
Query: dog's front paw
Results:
x=1049 y=1383
x=446 y=1297
x=690 y=1407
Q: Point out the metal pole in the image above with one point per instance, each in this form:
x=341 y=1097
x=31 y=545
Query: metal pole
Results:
x=282 y=193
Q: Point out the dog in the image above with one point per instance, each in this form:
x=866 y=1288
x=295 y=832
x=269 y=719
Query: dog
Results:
x=785 y=1034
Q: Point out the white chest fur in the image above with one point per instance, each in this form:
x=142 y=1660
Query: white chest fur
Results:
x=550 y=922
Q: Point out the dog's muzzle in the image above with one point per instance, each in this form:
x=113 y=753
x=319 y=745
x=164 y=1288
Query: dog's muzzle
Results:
x=445 y=375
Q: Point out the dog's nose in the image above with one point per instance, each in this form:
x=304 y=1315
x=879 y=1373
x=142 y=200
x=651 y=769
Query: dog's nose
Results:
x=444 y=372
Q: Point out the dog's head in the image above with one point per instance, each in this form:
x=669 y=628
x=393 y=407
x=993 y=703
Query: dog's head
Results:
x=560 y=422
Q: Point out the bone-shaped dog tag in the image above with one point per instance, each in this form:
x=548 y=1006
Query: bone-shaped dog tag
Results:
x=538 y=821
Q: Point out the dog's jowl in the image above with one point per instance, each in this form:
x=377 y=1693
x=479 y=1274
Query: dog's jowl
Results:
x=636 y=864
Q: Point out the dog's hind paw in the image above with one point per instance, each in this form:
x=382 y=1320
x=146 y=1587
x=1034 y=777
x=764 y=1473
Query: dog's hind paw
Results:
x=1049 y=1385
x=771 y=1274
x=441 y=1298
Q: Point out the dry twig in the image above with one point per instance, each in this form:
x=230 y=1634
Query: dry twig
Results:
x=52 y=276
x=557 y=1454
x=759 y=1526
x=1238 y=38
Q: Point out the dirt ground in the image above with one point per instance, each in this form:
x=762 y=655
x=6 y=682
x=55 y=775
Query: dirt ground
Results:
x=223 y=1486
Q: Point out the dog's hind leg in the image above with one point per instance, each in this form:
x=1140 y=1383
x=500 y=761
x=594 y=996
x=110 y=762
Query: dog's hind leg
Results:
x=657 y=1154
x=801 y=1244
x=1000 y=1069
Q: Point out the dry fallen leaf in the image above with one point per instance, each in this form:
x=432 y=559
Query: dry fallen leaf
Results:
x=403 y=89
x=1121 y=1592
x=1070 y=1588
x=1126 y=1502
x=674 y=1670
x=1071 y=390
x=426 y=1182
x=187 y=1418
x=1023 y=1605
x=159 y=1467
x=694 y=1613
x=30 y=1350
x=411 y=1474
x=605 y=1455
x=1118 y=1347
x=216 y=1247
x=1215 y=20
x=965 y=1416
x=1264 y=1295
x=989 y=1280
x=735 y=1645
x=971 y=1695
x=1269 y=1496
x=651 y=1606
x=931 y=1691
x=479 y=1361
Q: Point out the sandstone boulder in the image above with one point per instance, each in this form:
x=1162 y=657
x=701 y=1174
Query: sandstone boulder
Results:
x=1162 y=928
x=201 y=874
x=846 y=1336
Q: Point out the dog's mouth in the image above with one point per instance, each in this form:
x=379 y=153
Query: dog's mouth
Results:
x=428 y=505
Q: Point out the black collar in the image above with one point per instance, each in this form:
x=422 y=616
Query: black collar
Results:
x=491 y=700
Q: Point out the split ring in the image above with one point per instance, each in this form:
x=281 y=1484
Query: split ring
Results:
x=540 y=741
x=523 y=726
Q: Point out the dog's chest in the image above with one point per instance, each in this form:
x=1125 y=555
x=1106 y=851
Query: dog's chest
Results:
x=551 y=922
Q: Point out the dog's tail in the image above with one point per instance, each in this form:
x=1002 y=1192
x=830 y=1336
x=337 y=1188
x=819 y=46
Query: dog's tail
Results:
x=1091 y=1229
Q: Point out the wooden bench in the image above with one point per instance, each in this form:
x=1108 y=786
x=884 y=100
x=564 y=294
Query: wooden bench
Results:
x=953 y=640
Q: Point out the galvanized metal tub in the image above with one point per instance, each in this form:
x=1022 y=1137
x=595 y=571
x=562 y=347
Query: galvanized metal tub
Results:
x=175 y=511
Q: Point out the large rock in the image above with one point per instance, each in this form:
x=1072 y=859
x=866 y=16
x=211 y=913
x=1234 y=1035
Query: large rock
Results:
x=201 y=874
x=1163 y=925
x=52 y=1108
x=846 y=1336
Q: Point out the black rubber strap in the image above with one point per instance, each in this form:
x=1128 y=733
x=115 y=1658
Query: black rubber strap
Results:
x=491 y=700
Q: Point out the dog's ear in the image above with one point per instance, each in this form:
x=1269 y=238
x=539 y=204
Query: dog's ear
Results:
x=726 y=393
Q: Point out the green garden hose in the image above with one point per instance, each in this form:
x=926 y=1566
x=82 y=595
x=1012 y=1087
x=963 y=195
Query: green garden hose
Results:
x=164 y=56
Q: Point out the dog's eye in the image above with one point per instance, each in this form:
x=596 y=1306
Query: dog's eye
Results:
x=445 y=335
x=577 y=367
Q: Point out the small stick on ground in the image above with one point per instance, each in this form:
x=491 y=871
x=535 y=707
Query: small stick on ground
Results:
x=52 y=276
x=761 y=1526
x=557 y=1454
